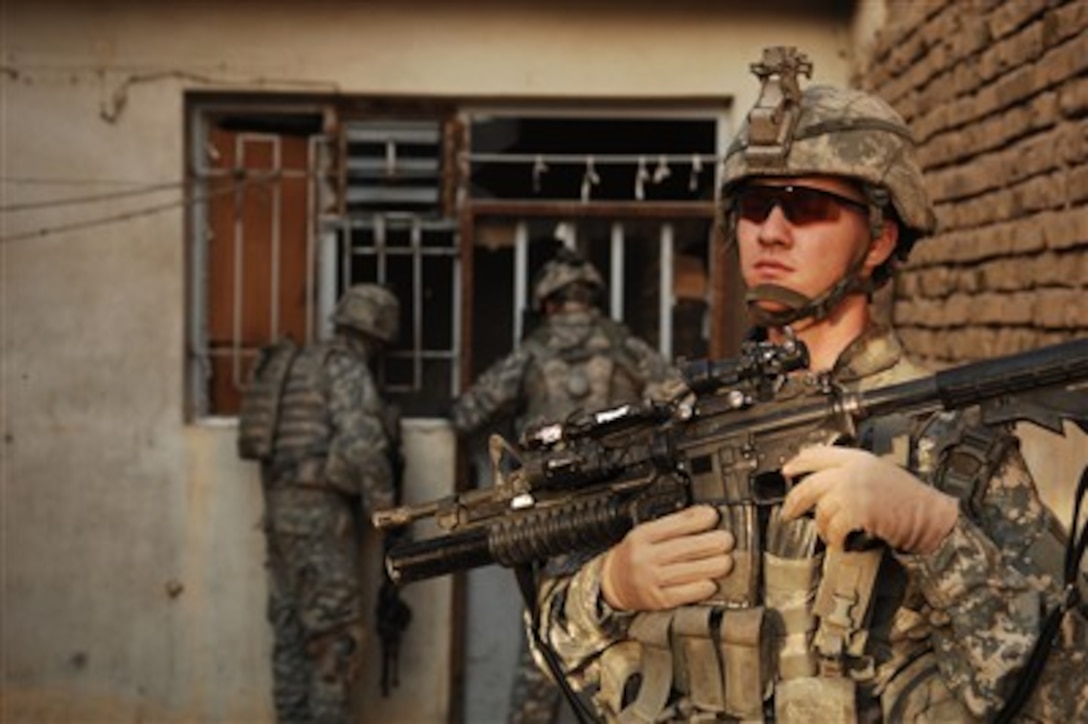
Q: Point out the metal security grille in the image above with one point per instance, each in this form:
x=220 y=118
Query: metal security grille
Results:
x=393 y=165
x=293 y=217
x=299 y=200
x=633 y=191
x=418 y=258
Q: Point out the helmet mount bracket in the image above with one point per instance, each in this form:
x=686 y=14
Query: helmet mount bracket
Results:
x=774 y=116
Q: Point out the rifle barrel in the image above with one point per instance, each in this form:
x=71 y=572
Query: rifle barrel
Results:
x=978 y=382
x=403 y=515
x=1045 y=367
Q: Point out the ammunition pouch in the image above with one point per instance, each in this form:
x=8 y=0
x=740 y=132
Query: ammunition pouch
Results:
x=790 y=585
x=646 y=659
x=842 y=605
x=659 y=654
x=739 y=588
x=815 y=699
x=823 y=627
x=807 y=644
x=746 y=659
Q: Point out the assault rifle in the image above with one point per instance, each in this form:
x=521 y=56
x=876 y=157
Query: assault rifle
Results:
x=392 y=614
x=581 y=484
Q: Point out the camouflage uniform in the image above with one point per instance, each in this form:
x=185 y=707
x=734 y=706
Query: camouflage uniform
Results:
x=578 y=360
x=330 y=465
x=575 y=360
x=944 y=633
x=806 y=634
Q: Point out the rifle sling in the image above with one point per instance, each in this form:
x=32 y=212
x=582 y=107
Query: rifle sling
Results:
x=526 y=578
x=1033 y=668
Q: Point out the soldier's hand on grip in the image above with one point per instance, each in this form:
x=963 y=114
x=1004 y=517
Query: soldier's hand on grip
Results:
x=853 y=490
x=667 y=562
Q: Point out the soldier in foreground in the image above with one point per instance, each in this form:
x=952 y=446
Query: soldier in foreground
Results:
x=933 y=616
x=576 y=359
x=329 y=463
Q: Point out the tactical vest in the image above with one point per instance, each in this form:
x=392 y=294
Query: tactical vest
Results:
x=596 y=373
x=303 y=433
x=260 y=411
x=797 y=633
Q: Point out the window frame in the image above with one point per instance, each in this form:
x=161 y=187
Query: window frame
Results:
x=463 y=213
x=725 y=329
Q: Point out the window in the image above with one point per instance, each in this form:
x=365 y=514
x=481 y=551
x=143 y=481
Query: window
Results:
x=418 y=258
x=593 y=157
x=633 y=191
x=303 y=200
x=455 y=208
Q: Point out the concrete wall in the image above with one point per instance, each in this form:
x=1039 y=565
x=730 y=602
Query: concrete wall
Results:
x=132 y=559
x=997 y=96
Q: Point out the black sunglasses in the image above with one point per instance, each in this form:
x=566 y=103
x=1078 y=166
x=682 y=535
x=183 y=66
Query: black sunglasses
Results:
x=800 y=204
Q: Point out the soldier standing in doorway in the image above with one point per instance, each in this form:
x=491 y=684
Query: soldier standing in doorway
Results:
x=328 y=464
x=575 y=359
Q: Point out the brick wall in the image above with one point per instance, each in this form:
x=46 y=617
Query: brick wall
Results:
x=996 y=93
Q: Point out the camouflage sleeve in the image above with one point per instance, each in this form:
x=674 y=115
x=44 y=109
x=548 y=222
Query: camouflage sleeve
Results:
x=359 y=447
x=659 y=378
x=990 y=597
x=495 y=393
x=577 y=624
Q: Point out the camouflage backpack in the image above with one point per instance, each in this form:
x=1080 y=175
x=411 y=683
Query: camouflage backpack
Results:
x=260 y=412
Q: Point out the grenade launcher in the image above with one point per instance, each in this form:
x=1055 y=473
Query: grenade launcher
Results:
x=579 y=485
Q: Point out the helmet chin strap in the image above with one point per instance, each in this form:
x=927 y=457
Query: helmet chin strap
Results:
x=797 y=306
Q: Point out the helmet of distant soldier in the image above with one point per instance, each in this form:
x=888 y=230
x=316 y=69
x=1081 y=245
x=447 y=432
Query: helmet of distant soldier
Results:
x=371 y=309
x=566 y=269
x=852 y=134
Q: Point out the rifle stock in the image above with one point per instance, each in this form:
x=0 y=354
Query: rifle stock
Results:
x=580 y=485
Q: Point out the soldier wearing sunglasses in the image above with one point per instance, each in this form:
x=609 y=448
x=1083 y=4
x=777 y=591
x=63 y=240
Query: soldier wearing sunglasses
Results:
x=937 y=620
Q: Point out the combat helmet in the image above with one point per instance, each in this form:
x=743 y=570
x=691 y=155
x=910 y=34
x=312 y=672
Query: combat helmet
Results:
x=831 y=132
x=371 y=309
x=567 y=268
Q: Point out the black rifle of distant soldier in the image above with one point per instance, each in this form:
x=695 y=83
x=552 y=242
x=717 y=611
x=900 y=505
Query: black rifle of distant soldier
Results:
x=392 y=613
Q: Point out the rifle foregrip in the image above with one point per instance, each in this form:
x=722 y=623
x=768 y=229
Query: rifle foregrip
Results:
x=535 y=535
x=580 y=526
x=980 y=381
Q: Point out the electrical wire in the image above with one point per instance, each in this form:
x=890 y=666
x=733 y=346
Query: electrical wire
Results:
x=54 y=181
x=129 y=215
x=74 y=200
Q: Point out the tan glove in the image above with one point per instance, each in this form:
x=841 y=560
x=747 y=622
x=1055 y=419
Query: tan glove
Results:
x=854 y=490
x=667 y=562
x=670 y=390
